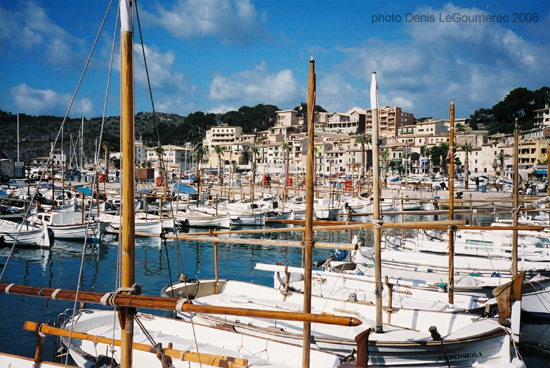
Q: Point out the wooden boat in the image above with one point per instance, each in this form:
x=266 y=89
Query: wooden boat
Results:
x=16 y=361
x=406 y=341
x=68 y=224
x=200 y=345
x=24 y=234
x=216 y=347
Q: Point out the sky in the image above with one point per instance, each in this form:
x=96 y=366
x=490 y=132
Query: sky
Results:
x=219 y=55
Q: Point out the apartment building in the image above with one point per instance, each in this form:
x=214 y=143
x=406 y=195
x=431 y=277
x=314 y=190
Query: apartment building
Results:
x=390 y=119
x=542 y=116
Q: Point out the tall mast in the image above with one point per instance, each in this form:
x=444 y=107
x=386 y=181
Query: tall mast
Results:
x=128 y=184
x=308 y=233
x=451 y=202
x=81 y=144
x=376 y=208
x=17 y=137
x=516 y=200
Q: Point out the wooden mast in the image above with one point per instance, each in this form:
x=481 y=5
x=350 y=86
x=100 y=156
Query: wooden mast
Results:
x=308 y=233
x=128 y=184
x=376 y=207
x=451 y=202
x=515 y=211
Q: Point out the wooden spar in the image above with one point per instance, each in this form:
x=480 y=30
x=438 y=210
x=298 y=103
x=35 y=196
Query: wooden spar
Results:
x=515 y=210
x=308 y=233
x=376 y=206
x=127 y=240
x=460 y=224
x=188 y=356
x=171 y=304
x=451 y=202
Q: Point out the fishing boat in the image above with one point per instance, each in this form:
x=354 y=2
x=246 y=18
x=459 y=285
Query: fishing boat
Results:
x=479 y=339
x=22 y=234
x=92 y=336
x=405 y=341
x=67 y=224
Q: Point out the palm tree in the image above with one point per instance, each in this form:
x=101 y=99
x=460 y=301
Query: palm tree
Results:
x=501 y=156
x=160 y=151
x=384 y=155
x=107 y=148
x=467 y=150
x=199 y=154
x=255 y=150
x=362 y=139
x=219 y=151
x=286 y=149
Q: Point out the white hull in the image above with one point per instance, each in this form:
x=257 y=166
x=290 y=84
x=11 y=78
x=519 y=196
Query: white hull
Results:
x=467 y=341
x=22 y=234
x=182 y=335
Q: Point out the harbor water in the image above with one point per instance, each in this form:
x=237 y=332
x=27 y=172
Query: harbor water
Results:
x=157 y=263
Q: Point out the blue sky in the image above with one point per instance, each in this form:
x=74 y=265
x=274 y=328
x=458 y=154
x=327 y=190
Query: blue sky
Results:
x=218 y=55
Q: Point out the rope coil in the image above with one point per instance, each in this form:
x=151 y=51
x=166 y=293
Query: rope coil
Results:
x=108 y=299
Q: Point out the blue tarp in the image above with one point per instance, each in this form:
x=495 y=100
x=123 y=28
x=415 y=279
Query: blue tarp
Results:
x=541 y=171
x=3 y=194
x=86 y=191
x=394 y=180
x=184 y=188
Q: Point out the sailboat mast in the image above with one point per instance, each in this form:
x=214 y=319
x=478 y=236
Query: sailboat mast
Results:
x=81 y=144
x=17 y=137
x=451 y=202
x=308 y=233
x=128 y=184
x=516 y=200
x=376 y=205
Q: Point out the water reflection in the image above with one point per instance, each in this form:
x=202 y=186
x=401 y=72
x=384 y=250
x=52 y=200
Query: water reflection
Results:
x=157 y=261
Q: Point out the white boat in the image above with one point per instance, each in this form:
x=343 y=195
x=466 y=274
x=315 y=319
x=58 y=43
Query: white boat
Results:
x=15 y=361
x=438 y=263
x=494 y=243
x=407 y=341
x=217 y=347
x=24 y=234
x=198 y=219
x=68 y=224
x=150 y=227
x=417 y=290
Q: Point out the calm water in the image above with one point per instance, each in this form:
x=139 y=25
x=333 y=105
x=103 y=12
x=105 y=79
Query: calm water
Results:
x=156 y=262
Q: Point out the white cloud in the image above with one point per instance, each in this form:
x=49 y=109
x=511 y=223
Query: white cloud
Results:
x=334 y=94
x=48 y=102
x=222 y=109
x=31 y=30
x=229 y=20
x=254 y=86
x=474 y=63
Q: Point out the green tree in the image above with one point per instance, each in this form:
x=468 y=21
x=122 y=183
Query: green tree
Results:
x=467 y=148
x=219 y=152
x=286 y=149
x=384 y=156
x=363 y=140
x=481 y=119
x=198 y=156
x=107 y=149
